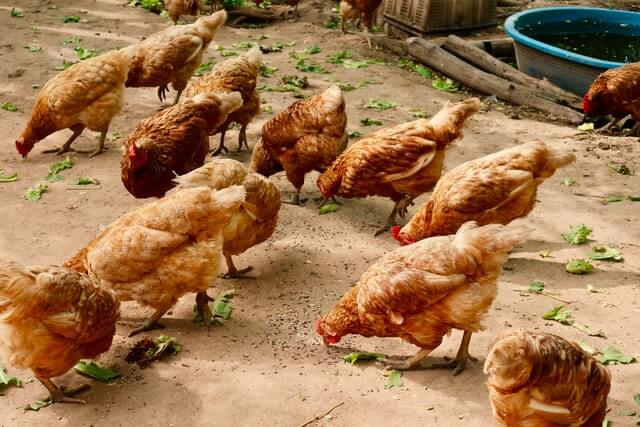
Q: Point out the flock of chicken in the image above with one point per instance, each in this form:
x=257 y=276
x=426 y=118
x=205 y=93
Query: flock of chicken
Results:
x=443 y=278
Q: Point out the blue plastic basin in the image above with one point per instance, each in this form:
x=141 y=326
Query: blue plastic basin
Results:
x=568 y=70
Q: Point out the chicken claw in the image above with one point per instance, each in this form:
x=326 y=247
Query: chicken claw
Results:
x=296 y=200
x=162 y=92
x=202 y=304
x=460 y=362
x=59 y=396
x=408 y=364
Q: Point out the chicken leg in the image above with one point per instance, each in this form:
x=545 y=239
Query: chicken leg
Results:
x=202 y=305
x=220 y=146
x=296 y=200
x=242 y=138
x=399 y=209
x=100 y=148
x=66 y=147
x=59 y=396
x=175 y=101
x=460 y=362
x=162 y=92
x=407 y=364
x=151 y=323
x=233 y=272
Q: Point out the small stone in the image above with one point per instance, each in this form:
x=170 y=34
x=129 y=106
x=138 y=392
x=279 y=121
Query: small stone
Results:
x=604 y=145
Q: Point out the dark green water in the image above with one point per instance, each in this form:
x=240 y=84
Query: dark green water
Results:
x=603 y=45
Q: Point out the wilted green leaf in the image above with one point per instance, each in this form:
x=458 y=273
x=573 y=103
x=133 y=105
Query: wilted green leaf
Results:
x=634 y=198
x=97 y=372
x=34 y=193
x=614 y=198
x=83 y=180
x=577 y=234
x=445 y=85
x=33 y=48
x=267 y=71
x=65 y=64
x=587 y=348
x=602 y=252
x=339 y=57
x=579 y=266
x=613 y=356
x=166 y=345
x=67 y=163
x=298 y=82
x=418 y=114
x=71 y=19
x=357 y=356
x=328 y=208
x=227 y=53
x=588 y=330
x=246 y=44
x=346 y=87
x=6 y=380
x=559 y=314
x=16 y=13
x=353 y=64
x=380 y=104
x=536 y=287
x=331 y=23
x=593 y=290
x=545 y=254
x=39 y=404
x=568 y=181
x=9 y=106
x=621 y=169
x=8 y=178
x=394 y=379
x=72 y=40
x=204 y=68
x=586 y=127
x=355 y=134
x=312 y=50
x=221 y=307
x=266 y=109
x=370 y=122
x=310 y=68
x=636 y=398
x=84 y=53
x=416 y=68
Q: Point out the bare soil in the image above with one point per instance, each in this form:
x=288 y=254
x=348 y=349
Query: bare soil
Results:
x=265 y=366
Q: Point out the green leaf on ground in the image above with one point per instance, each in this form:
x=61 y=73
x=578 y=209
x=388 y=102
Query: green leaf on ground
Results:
x=355 y=134
x=312 y=50
x=166 y=345
x=57 y=167
x=370 y=122
x=84 y=53
x=9 y=106
x=536 y=287
x=7 y=381
x=602 y=252
x=83 y=180
x=34 y=193
x=97 y=372
x=579 y=266
x=71 y=19
x=545 y=254
x=267 y=71
x=33 y=48
x=339 y=57
x=328 y=208
x=613 y=356
x=587 y=348
x=568 y=181
x=559 y=314
x=586 y=127
x=8 y=178
x=245 y=44
x=445 y=85
x=295 y=81
x=394 y=379
x=38 y=404
x=577 y=234
x=614 y=198
x=380 y=104
x=634 y=197
x=16 y=13
x=621 y=169
x=204 y=68
x=302 y=65
x=636 y=398
x=358 y=356
x=221 y=304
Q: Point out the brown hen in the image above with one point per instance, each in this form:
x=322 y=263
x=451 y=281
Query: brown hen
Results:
x=543 y=380
x=251 y=225
x=163 y=250
x=172 y=141
x=50 y=318
x=615 y=92
x=177 y=8
x=420 y=292
x=173 y=55
x=238 y=74
x=497 y=188
x=307 y=136
x=86 y=95
x=360 y=10
x=400 y=162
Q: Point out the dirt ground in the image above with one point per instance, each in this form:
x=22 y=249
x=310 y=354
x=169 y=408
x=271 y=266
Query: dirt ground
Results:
x=266 y=366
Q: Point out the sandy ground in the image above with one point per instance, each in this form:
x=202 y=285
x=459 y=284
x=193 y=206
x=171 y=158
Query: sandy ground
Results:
x=265 y=366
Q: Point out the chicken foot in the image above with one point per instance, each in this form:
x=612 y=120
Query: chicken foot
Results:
x=220 y=146
x=399 y=209
x=66 y=147
x=408 y=364
x=242 y=138
x=296 y=200
x=233 y=272
x=100 y=148
x=162 y=92
x=202 y=305
x=151 y=323
x=59 y=396
x=460 y=362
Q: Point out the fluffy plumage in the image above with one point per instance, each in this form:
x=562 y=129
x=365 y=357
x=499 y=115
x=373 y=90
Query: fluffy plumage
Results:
x=50 y=318
x=615 y=92
x=163 y=249
x=249 y=226
x=497 y=188
x=543 y=380
x=307 y=136
x=172 y=55
x=172 y=141
x=400 y=162
x=420 y=292
x=239 y=74
x=177 y=8
x=86 y=95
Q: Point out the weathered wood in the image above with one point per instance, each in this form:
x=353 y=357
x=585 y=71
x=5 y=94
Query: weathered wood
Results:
x=398 y=47
x=486 y=62
x=503 y=47
x=235 y=15
x=457 y=69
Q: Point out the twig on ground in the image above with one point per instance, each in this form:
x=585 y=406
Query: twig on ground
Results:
x=319 y=417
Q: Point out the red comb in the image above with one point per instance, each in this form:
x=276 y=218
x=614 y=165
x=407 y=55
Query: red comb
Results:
x=395 y=232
